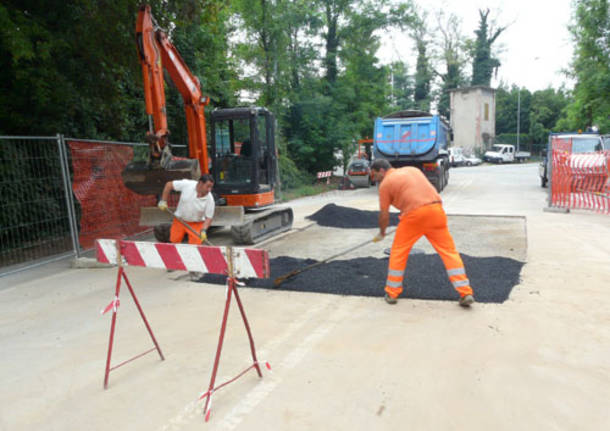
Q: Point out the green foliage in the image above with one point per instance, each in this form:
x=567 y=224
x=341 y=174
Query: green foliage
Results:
x=291 y=176
x=590 y=67
x=452 y=46
x=541 y=113
x=403 y=87
x=483 y=61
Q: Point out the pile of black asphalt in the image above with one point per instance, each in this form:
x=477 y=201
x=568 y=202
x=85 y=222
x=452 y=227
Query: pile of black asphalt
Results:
x=332 y=215
x=492 y=278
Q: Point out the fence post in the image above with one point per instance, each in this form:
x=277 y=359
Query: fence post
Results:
x=65 y=173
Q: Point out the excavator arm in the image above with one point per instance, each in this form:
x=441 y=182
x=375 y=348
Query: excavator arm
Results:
x=157 y=54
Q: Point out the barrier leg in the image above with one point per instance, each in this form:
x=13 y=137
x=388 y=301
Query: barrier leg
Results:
x=223 y=327
x=243 y=315
x=135 y=299
x=112 y=326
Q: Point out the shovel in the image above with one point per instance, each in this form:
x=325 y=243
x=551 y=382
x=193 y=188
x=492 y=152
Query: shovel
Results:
x=279 y=280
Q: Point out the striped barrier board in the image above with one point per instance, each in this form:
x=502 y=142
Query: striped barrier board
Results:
x=231 y=261
x=325 y=174
x=247 y=262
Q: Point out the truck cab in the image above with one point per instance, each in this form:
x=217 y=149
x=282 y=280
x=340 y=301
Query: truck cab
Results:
x=505 y=153
x=579 y=143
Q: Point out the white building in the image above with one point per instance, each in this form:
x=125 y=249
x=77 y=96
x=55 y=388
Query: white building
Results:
x=473 y=118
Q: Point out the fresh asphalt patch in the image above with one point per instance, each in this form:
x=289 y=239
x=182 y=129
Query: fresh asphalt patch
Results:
x=492 y=275
x=492 y=278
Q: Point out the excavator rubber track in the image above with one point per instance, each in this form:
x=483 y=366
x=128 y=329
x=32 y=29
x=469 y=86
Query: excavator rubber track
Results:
x=261 y=225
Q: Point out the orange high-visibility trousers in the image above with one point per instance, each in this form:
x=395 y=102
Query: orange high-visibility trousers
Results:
x=431 y=221
x=177 y=231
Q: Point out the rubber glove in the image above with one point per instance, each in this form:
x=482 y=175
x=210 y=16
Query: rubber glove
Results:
x=162 y=205
x=203 y=235
x=378 y=237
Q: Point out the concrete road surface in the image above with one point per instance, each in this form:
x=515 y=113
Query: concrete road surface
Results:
x=539 y=361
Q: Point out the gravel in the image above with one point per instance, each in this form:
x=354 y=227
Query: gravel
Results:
x=492 y=278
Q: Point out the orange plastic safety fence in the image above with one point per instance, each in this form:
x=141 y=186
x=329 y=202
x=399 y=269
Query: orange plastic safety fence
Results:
x=579 y=180
x=108 y=208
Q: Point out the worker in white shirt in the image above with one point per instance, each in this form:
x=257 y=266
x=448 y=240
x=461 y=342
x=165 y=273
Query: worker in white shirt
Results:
x=195 y=208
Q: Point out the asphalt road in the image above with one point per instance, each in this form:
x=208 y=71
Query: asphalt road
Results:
x=538 y=360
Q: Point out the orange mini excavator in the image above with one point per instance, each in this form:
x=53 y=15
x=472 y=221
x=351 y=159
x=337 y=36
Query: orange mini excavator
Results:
x=242 y=156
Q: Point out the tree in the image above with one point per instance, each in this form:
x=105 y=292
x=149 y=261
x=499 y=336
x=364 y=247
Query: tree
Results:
x=483 y=61
x=451 y=44
x=507 y=105
x=402 y=87
x=547 y=108
x=423 y=71
x=590 y=66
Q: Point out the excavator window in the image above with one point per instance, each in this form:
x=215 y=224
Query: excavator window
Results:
x=264 y=151
x=234 y=151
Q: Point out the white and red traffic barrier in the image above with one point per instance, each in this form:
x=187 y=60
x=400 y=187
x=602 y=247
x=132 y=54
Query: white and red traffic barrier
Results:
x=232 y=262
x=325 y=174
x=248 y=263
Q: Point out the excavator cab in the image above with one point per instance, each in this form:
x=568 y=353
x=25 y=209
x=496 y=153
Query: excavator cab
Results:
x=244 y=161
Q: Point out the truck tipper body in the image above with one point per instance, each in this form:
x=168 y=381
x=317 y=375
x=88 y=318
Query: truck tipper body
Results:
x=415 y=138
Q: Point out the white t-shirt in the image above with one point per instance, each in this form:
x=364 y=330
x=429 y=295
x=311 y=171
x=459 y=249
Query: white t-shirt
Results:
x=190 y=207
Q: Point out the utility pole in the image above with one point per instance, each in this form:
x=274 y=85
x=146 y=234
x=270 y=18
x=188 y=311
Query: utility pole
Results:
x=518 y=115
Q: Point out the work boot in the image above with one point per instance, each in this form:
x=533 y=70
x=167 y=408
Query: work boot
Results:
x=466 y=300
x=390 y=300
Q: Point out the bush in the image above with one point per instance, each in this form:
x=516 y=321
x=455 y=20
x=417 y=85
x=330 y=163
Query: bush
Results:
x=290 y=175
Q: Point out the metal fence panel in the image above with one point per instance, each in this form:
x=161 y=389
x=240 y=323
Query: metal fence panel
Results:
x=60 y=194
x=34 y=215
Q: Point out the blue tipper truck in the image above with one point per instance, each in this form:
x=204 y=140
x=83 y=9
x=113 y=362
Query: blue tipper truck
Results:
x=415 y=138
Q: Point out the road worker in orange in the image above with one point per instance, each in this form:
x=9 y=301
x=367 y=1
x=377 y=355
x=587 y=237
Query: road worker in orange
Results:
x=408 y=190
x=195 y=208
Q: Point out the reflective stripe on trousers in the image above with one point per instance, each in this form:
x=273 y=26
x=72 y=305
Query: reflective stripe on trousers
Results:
x=431 y=221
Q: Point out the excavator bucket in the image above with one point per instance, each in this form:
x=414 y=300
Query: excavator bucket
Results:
x=143 y=179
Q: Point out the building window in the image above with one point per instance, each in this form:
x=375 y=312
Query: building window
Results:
x=487 y=112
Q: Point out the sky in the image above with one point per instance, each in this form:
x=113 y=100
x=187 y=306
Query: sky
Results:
x=532 y=50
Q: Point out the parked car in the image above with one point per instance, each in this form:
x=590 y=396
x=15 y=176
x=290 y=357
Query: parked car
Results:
x=472 y=161
x=359 y=173
x=580 y=143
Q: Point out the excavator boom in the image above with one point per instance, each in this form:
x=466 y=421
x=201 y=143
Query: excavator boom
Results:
x=156 y=54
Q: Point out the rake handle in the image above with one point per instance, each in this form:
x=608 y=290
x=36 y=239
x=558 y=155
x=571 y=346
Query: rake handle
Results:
x=279 y=280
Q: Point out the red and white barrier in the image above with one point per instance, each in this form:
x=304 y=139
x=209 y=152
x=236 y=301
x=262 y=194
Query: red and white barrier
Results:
x=579 y=180
x=233 y=262
x=248 y=263
x=325 y=174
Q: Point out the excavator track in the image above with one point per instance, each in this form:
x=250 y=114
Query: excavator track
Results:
x=261 y=225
